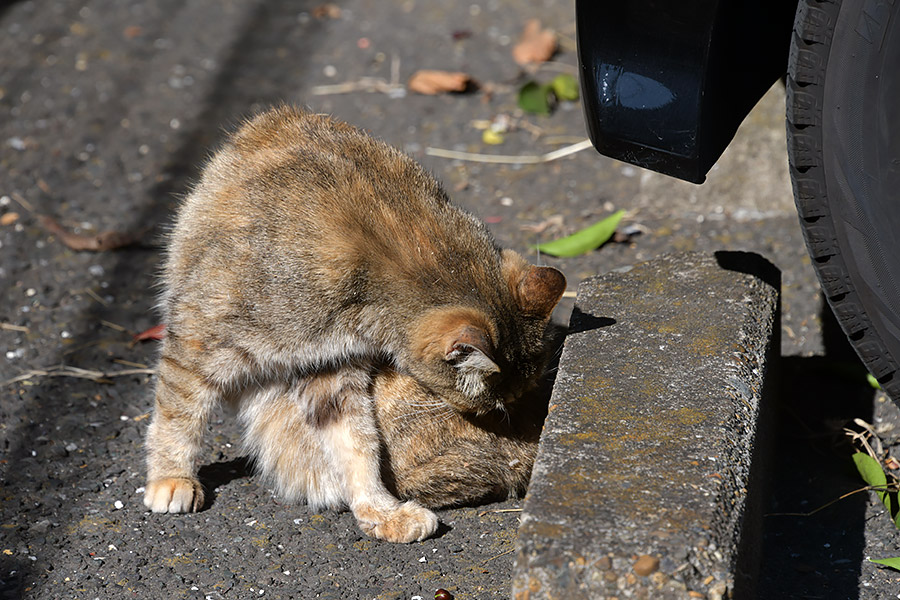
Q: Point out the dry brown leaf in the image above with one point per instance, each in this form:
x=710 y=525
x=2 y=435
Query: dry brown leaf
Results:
x=431 y=82
x=555 y=222
x=327 y=11
x=536 y=45
x=157 y=332
x=98 y=242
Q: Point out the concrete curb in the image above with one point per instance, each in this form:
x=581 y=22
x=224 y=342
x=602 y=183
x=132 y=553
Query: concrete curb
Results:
x=642 y=487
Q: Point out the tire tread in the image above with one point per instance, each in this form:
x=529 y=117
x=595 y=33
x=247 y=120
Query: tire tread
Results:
x=810 y=47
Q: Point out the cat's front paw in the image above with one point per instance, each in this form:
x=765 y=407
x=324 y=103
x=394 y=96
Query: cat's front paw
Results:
x=408 y=522
x=173 y=495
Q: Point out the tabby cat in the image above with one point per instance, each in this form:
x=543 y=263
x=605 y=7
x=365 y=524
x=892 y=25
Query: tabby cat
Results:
x=322 y=282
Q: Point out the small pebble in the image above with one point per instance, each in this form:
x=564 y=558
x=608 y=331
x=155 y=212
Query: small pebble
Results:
x=118 y=504
x=645 y=565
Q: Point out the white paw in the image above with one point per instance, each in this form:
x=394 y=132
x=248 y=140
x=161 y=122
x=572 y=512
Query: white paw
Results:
x=173 y=495
x=408 y=522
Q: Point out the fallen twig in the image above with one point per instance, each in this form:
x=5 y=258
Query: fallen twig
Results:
x=392 y=88
x=95 y=296
x=365 y=84
x=76 y=372
x=11 y=327
x=527 y=159
x=504 y=553
x=128 y=363
x=875 y=449
x=22 y=201
x=561 y=67
x=112 y=325
x=872 y=488
x=499 y=510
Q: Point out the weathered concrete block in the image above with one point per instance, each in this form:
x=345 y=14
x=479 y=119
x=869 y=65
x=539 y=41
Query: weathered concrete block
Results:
x=640 y=488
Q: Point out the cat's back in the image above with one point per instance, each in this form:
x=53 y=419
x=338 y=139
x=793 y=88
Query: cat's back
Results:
x=290 y=162
x=328 y=200
x=302 y=223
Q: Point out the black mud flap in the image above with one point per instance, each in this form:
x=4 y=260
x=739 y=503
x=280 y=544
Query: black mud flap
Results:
x=666 y=83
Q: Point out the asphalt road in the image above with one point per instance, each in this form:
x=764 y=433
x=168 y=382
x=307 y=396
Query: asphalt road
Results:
x=106 y=111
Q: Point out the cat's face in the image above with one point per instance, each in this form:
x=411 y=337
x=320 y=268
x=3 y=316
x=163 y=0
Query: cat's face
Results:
x=477 y=362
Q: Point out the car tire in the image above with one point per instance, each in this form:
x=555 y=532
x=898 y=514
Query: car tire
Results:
x=843 y=125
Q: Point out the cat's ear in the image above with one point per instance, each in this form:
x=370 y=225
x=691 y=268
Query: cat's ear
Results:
x=460 y=337
x=469 y=349
x=537 y=290
x=469 y=352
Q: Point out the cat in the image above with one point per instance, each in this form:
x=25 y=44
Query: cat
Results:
x=441 y=457
x=431 y=453
x=310 y=269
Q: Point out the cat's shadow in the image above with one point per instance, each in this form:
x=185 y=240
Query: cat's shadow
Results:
x=221 y=473
x=581 y=321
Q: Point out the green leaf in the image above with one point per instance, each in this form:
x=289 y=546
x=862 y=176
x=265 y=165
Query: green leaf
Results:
x=872 y=381
x=585 y=240
x=565 y=87
x=872 y=473
x=535 y=98
x=893 y=562
x=870 y=469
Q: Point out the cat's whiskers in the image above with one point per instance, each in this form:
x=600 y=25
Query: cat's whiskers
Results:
x=447 y=415
x=433 y=410
x=425 y=403
x=501 y=408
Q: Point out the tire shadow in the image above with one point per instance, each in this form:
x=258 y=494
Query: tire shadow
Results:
x=810 y=548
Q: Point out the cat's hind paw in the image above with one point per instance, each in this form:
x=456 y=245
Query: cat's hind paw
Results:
x=173 y=495
x=408 y=522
